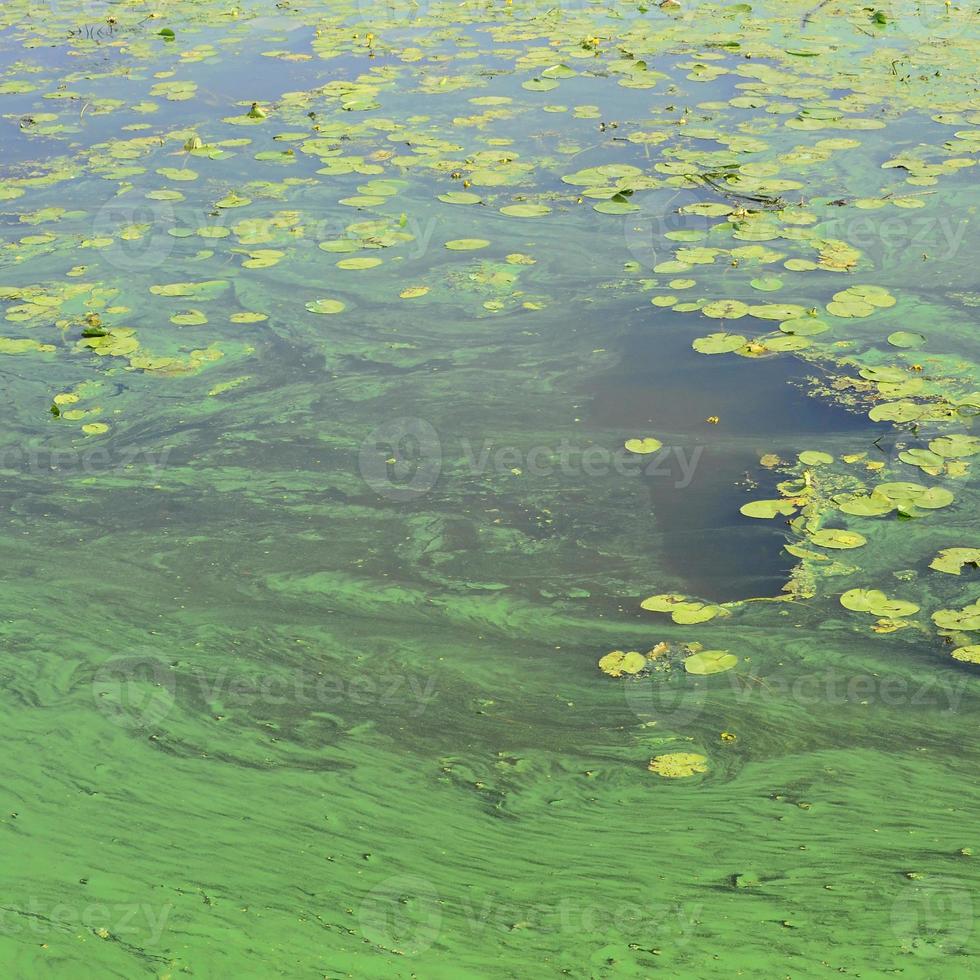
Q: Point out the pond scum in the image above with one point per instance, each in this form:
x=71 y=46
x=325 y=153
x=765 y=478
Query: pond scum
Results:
x=297 y=682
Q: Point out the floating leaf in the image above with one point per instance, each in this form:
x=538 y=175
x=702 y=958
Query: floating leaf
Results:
x=189 y=318
x=877 y=603
x=925 y=459
x=836 y=538
x=460 y=197
x=725 y=309
x=710 y=662
x=906 y=339
x=662 y=603
x=689 y=613
x=813 y=457
x=967 y=618
x=326 y=306
x=677 y=765
x=768 y=508
x=620 y=206
x=643 y=446
x=896 y=412
x=616 y=663
x=955 y=446
x=359 y=263
x=864 y=506
x=967 y=655
x=466 y=244
x=526 y=210
x=804 y=326
x=952 y=560
x=210 y=289
x=719 y=343
x=908 y=495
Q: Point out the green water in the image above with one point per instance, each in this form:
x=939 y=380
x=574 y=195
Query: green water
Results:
x=308 y=569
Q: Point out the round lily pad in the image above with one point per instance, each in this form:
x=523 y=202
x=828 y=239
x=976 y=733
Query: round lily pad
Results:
x=678 y=765
x=725 y=309
x=813 y=457
x=968 y=654
x=952 y=560
x=662 y=603
x=358 y=263
x=710 y=662
x=967 y=618
x=719 y=343
x=805 y=326
x=466 y=244
x=768 y=508
x=525 y=210
x=955 y=446
x=689 y=613
x=459 y=197
x=325 y=306
x=837 y=538
x=643 y=446
x=616 y=663
x=906 y=339
x=877 y=603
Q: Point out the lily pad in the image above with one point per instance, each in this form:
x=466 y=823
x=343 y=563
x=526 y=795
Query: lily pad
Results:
x=768 y=508
x=326 y=306
x=358 y=262
x=906 y=339
x=877 y=603
x=837 y=538
x=460 y=197
x=813 y=457
x=466 y=244
x=955 y=446
x=725 y=309
x=967 y=618
x=678 y=765
x=643 y=446
x=952 y=560
x=526 y=210
x=967 y=655
x=719 y=343
x=662 y=603
x=689 y=613
x=616 y=663
x=710 y=662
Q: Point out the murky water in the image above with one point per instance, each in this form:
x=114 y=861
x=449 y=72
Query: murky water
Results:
x=332 y=333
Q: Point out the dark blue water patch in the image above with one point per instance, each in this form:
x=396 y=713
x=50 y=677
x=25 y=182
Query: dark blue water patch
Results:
x=661 y=381
x=662 y=388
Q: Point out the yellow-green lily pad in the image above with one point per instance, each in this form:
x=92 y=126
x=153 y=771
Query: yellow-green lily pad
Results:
x=678 y=765
x=643 y=446
x=710 y=662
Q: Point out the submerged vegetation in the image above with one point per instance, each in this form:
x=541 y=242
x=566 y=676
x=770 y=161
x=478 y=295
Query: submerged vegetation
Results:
x=269 y=274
